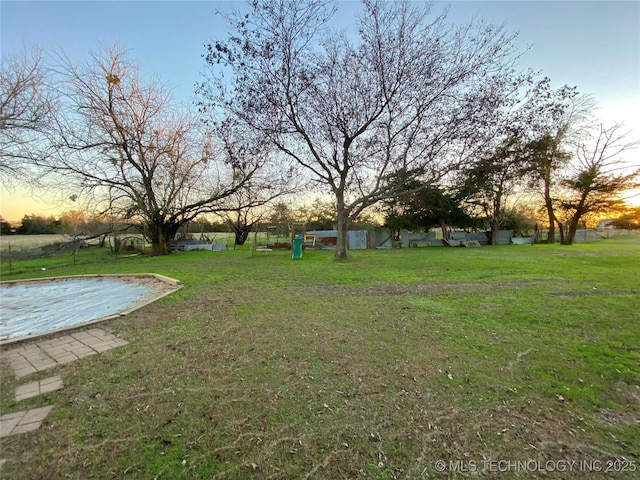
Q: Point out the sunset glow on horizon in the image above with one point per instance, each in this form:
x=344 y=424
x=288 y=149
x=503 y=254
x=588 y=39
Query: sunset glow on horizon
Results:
x=557 y=38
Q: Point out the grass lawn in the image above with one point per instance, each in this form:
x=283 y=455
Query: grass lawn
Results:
x=501 y=362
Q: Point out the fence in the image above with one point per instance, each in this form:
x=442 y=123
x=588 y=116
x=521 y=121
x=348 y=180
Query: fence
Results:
x=615 y=233
x=22 y=257
x=29 y=253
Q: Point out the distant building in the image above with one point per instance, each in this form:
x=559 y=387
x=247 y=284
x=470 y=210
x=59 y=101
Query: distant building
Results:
x=605 y=224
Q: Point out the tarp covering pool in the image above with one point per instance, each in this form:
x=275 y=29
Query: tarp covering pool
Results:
x=31 y=308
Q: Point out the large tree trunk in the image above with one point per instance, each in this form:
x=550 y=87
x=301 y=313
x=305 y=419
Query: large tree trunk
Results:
x=494 y=221
x=445 y=231
x=495 y=231
x=241 y=229
x=241 y=236
x=571 y=233
x=161 y=237
x=572 y=229
x=562 y=234
x=342 y=244
x=575 y=221
x=161 y=245
x=551 y=236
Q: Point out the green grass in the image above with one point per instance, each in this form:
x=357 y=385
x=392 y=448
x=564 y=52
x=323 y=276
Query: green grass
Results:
x=376 y=367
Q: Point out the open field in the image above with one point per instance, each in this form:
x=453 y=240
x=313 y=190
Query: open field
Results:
x=20 y=254
x=501 y=362
x=21 y=242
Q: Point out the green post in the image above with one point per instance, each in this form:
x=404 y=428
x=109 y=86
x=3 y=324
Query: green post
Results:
x=296 y=249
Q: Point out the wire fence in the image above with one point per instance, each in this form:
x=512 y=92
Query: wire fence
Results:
x=617 y=233
x=22 y=257
x=21 y=254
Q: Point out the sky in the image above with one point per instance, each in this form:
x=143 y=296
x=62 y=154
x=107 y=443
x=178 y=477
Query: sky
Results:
x=594 y=45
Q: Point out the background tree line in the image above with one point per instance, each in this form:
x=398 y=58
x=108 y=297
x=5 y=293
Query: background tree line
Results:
x=428 y=120
x=277 y=218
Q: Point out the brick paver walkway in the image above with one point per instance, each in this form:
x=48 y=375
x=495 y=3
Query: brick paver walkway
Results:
x=49 y=353
x=22 y=422
x=38 y=387
x=42 y=355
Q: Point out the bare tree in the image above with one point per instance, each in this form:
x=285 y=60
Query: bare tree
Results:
x=26 y=106
x=125 y=145
x=597 y=177
x=430 y=206
x=248 y=207
x=360 y=116
x=489 y=183
x=556 y=121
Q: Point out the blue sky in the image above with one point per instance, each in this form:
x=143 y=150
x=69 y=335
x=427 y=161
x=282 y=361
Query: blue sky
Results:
x=594 y=45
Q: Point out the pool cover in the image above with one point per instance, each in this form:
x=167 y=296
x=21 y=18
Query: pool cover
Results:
x=33 y=308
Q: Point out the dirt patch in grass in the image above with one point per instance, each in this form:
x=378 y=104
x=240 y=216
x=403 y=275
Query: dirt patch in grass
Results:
x=588 y=292
x=616 y=417
x=449 y=288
